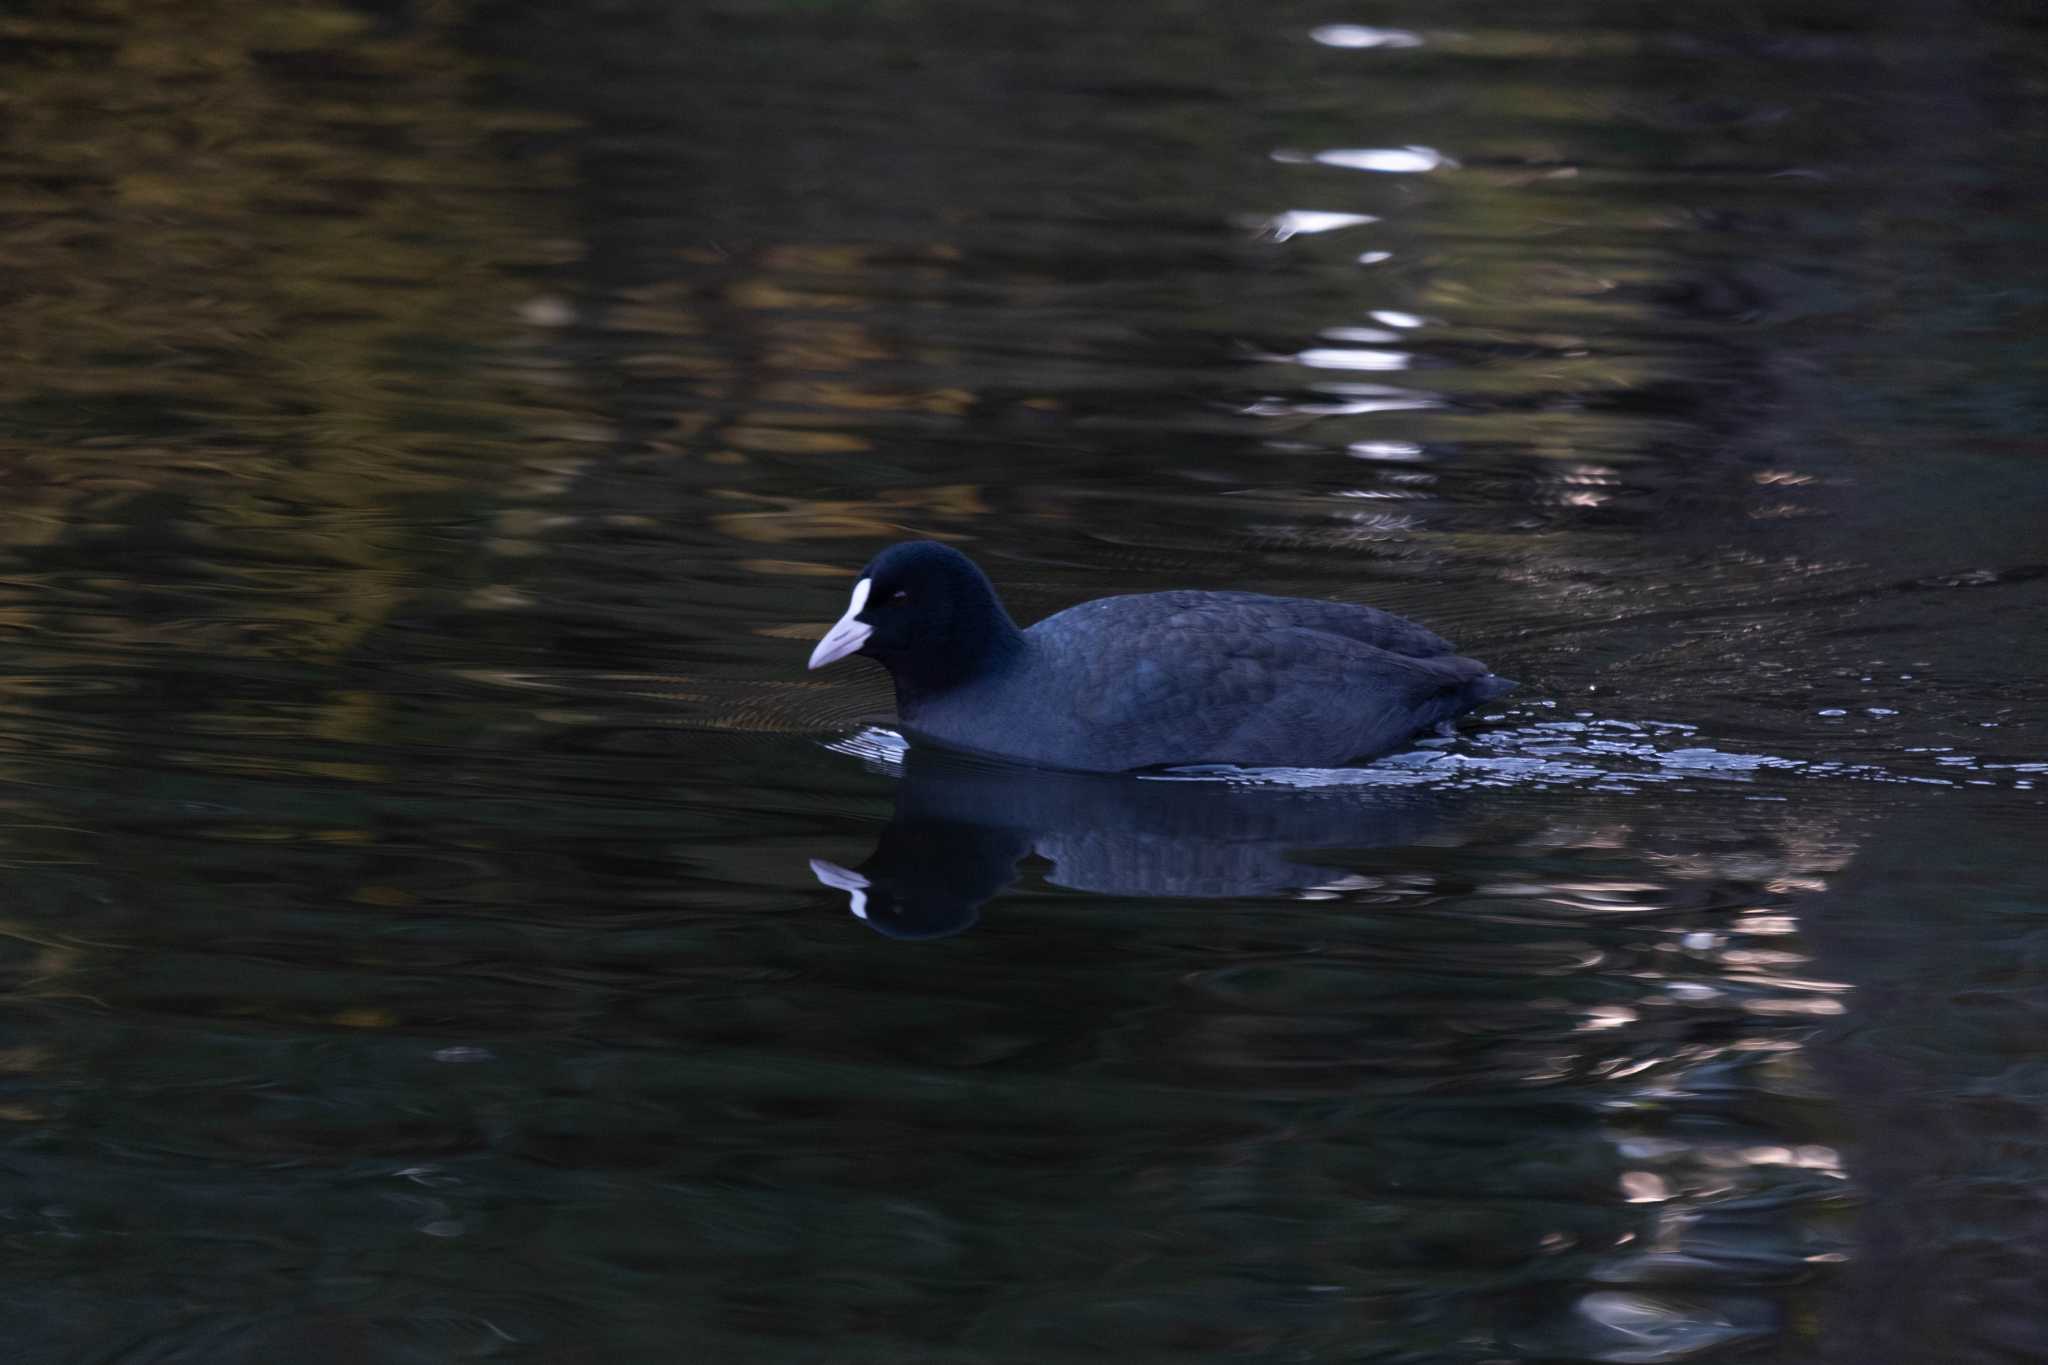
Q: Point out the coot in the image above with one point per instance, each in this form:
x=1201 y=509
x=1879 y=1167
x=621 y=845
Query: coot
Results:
x=1153 y=680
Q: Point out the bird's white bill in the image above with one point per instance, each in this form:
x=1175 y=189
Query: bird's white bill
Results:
x=849 y=634
x=844 y=879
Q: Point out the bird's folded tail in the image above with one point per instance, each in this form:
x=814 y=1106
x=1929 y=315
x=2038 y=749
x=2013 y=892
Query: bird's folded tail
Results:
x=1486 y=687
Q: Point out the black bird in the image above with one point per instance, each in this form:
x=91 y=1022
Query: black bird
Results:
x=1154 y=680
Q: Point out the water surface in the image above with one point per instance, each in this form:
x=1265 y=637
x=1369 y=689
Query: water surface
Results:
x=431 y=437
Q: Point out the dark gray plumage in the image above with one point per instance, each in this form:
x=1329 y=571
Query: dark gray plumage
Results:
x=962 y=824
x=1154 y=680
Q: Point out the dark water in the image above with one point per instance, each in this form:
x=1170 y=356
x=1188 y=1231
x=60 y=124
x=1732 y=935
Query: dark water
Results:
x=431 y=434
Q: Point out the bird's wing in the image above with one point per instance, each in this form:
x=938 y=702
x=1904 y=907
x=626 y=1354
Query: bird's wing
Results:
x=1366 y=625
x=1226 y=682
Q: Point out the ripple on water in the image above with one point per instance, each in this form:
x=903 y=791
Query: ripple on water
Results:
x=410 y=561
x=1606 y=755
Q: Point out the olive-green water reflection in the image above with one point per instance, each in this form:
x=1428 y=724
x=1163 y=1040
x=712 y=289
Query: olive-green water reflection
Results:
x=432 y=434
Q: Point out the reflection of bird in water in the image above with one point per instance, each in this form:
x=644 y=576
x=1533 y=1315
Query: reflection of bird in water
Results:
x=961 y=826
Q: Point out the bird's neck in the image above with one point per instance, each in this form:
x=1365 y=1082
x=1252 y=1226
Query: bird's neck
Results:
x=986 y=648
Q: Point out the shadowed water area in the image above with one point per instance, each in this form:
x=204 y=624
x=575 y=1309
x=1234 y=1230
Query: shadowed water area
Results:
x=444 y=921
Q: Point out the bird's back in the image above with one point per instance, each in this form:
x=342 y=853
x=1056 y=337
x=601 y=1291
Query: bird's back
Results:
x=1249 y=610
x=1208 y=677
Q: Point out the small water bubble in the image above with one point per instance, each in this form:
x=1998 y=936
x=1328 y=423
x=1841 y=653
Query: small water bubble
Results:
x=1879 y=711
x=1374 y=257
x=1831 y=711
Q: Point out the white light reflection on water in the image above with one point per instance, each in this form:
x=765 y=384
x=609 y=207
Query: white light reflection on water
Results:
x=1637 y=1329
x=1644 y=1187
x=1409 y=160
x=1306 y=222
x=1399 y=451
x=1381 y=494
x=1336 y=358
x=878 y=750
x=1358 y=36
x=1344 y=400
x=1363 y=335
x=1695 y=1188
x=1695 y=1184
x=1600 y=755
x=1604 y=755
